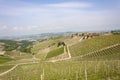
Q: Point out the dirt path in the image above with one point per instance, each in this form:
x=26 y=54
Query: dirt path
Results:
x=68 y=52
x=1 y=74
x=81 y=39
x=34 y=57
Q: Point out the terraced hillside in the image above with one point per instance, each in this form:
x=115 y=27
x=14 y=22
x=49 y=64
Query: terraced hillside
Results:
x=94 y=44
x=109 y=53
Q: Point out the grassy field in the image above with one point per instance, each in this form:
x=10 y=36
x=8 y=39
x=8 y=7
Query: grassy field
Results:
x=5 y=68
x=82 y=70
x=18 y=54
x=4 y=59
x=55 y=52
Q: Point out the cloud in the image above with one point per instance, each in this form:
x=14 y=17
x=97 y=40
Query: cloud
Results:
x=22 y=8
x=71 y=5
x=25 y=18
x=4 y=27
x=40 y=28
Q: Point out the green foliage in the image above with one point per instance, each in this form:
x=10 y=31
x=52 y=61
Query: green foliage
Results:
x=4 y=59
x=23 y=46
x=55 y=52
x=116 y=32
x=9 y=45
x=41 y=56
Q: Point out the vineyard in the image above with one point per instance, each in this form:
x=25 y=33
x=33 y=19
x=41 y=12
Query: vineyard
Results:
x=109 y=53
x=97 y=58
x=94 y=44
x=87 y=70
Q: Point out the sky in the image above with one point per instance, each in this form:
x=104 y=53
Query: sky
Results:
x=25 y=17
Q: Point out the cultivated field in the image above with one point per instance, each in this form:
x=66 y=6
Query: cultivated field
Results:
x=83 y=70
x=96 y=58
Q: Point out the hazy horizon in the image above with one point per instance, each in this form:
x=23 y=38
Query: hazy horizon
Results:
x=26 y=17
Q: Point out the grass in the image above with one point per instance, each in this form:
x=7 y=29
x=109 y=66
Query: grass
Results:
x=88 y=69
x=4 y=59
x=41 y=56
x=18 y=54
x=50 y=43
x=112 y=53
x=95 y=70
x=5 y=68
x=93 y=44
x=55 y=52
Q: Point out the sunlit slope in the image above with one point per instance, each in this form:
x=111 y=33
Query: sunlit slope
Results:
x=52 y=43
x=48 y=47
x=94 y=44
x=5 y=68
x=55 y=52
x=109 y=53
x=4 y=59
x=1 y=48
x=18 y=55
x=95 y=70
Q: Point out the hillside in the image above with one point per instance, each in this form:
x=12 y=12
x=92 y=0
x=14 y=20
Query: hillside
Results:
x=108 y=53
x=11 y=49
x=4 y=59
x=76 y=47
x=95 y=70
x=47 y=43
x=93 y=44
x=96 y=58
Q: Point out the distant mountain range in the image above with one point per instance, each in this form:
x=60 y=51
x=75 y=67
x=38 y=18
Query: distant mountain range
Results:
x=37 y=36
